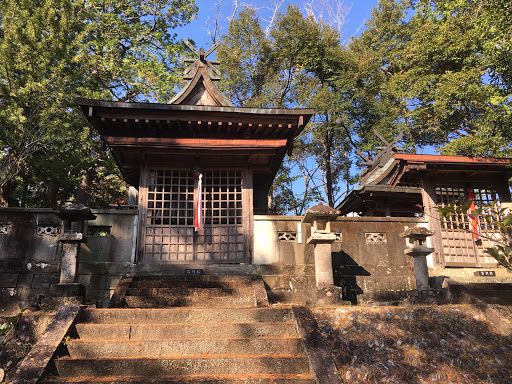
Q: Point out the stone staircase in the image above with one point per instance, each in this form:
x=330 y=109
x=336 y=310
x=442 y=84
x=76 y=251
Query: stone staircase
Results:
x=186 y=329
x=205 y=291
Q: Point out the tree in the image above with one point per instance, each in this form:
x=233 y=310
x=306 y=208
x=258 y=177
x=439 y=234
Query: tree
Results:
x=56 y=50
x=37 y=48
x=442 y=74
x=131 y=47
x=246 y=64
x=298 y=62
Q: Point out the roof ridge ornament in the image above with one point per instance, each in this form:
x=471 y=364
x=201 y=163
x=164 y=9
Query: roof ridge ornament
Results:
x=201 y=61
x=385 y=152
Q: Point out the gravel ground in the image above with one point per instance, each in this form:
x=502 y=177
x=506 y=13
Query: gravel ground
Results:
x=441 y=344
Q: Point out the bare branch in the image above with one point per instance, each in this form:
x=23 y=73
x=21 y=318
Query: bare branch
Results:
x=214 y=34
x=331 y=12
x=274 y=9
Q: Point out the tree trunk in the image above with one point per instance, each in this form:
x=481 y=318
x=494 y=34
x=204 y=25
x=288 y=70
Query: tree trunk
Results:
x=26 y=183
x=81 y=194
x=7 y=200
x=51 y=195
x=328 y=170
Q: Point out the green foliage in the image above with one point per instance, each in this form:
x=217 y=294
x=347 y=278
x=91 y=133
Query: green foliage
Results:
x=8 y=326
x=437 y=70
x=300 y=63
x=105 y=190
x=245 y=62
x=502 y=250
x=285 y=197
x=130 y=48
x=54 y=51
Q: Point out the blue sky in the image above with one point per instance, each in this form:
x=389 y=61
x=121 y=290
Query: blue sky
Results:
x=360 y=12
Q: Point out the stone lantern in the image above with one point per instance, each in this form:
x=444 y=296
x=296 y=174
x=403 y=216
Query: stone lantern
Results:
x=417 y=239
x=74 y=216
x=320 y=217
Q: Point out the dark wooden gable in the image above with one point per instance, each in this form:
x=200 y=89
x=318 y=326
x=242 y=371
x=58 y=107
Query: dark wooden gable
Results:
x=202 y=73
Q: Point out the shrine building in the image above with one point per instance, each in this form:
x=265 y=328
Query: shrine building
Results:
x=199 y=149
x=395 y=184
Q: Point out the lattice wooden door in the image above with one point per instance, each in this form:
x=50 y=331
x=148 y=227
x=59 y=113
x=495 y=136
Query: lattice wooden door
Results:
x=169 y=234
x=222 y=239
x=459 y=246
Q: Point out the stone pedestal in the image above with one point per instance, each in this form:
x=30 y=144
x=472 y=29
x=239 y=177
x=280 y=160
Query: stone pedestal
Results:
x=421 y=272
x=68 y=291
x=70 y=248
x=323 y=258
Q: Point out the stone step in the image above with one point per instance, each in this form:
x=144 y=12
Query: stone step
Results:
x=183 y=347
x=189 y=379
x=197 y=365
x=54 y=303
x=489 y=287
x=185 y=281
x=189 y=284
x=501 y=300
x=199 y=302
x=191 y=292
x=492 y=293
x=185 y=315
x=177 y=331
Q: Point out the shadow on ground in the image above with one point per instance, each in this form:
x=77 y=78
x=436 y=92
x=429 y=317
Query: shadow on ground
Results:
x=449 y=344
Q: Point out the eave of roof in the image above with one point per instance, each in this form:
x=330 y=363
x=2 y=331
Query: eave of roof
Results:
x=351 y=199
x=134 y=128
x=443 y=159
x=142 y=107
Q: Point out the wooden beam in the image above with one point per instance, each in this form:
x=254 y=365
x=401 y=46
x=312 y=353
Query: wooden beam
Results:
x=285 y=120
x=193 y=142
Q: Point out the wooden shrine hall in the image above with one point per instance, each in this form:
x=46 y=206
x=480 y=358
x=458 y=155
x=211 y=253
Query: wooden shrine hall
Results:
x=202 y=166
x=395 y=184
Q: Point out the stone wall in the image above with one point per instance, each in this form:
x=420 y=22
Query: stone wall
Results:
x=30 y=254
x=368 y=257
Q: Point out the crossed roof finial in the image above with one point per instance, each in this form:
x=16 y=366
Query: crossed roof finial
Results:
x=384 y=151
x=192 y=69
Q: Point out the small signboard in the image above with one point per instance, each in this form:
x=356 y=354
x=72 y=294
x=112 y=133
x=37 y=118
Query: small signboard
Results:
x=485 y=273
x=194 y=272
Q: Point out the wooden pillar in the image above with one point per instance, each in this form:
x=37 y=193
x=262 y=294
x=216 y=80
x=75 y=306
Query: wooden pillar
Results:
x=143 y=209
x=428 y=196
x=248 y=213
